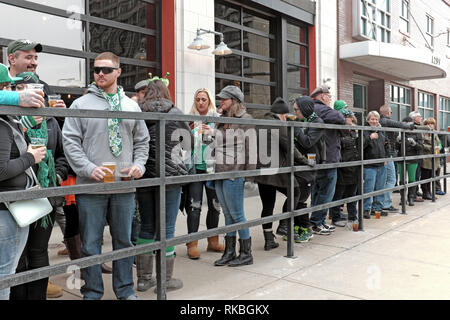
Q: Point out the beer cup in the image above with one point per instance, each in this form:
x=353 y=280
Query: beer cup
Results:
x=38 y=87
x=109 y=177
x=53 y=99
x=37 y=142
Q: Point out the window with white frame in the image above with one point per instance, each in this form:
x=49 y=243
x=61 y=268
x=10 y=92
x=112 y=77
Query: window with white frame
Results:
x=426 y=105
x=430 y=30
x=372 y=20
x=400 y=102
x=444 y=113
x=404 y=17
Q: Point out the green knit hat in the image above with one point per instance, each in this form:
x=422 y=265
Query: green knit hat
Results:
x=339 y=105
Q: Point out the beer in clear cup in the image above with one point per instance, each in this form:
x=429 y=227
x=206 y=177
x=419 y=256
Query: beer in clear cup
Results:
x=109 y=177
x=53 y=99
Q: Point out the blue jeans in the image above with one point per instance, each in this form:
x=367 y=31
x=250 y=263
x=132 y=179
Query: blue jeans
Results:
x=147 y=198
x=391 y=179
x=231 y=197
x=12 y=242
x=322 y=192
x=374 y=180
x=93 y=210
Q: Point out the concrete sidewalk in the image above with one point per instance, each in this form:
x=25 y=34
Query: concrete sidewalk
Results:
x=395 y=257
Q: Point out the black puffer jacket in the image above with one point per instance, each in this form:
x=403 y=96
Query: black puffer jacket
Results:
x=391 y=137
x=311 y=140
x=413 y=143
x=278 y=180
x=349 y=152
x=374 y=148
x=182 y=140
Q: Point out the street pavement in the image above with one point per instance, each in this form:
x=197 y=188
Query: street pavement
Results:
x=396 y=257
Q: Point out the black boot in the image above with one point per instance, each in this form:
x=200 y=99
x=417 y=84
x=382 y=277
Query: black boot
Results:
x=411 y=196
x=229 y=253
x=269 y=243
x=282 y=229
x=245 y=254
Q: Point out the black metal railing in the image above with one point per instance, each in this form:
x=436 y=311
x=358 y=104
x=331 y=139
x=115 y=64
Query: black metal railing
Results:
x=162 y=182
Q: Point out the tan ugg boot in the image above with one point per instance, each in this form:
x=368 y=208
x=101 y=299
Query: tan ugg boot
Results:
x=53 y=291
x=214 y=245
x=192 y=250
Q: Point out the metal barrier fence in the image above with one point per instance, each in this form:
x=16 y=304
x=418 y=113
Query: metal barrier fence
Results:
x=162 y=182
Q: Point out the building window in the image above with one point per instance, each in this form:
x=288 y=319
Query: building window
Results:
x=426 y=105
x=400 y=102
x=430 y=31
x=360 y=103
x=72 y=43
x=404 y=17
x=297 y=61
x=372 y=20
x=256 y=64
x=444 y=113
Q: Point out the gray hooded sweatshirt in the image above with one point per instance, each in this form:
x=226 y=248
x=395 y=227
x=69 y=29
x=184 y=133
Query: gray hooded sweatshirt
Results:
x=86 y=140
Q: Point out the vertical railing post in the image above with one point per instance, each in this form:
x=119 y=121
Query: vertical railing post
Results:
x=403 y=191
x=361 y=182
x=161 y=210
x=433 y=169
x=290 y=192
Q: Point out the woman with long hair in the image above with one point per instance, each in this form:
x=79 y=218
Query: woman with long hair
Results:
x=203 y=132
x=157 y=99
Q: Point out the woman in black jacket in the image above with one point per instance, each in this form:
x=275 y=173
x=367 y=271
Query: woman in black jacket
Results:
x=269 y=185
x=16 y=160
x=50 y=172
x=178 y=138
x=374 y=174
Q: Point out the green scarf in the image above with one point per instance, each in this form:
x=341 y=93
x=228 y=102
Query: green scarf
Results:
x=46 y=173
x=310 y=118
x=115 y=139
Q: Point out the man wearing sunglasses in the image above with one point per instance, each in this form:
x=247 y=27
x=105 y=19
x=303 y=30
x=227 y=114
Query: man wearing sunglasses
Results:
x=91 y=142
x=22 y=57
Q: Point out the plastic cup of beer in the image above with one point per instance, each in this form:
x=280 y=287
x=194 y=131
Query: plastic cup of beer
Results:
x=123 y=170
x=291 y=116
x=37 y=142
x=377 y=214
x=311 y=158
x=53 y=99
x=109 y=177
x=355 y=225
x=39 y=87
x=437 y=149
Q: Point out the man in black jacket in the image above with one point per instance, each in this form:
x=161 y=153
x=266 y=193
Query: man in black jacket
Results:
x=392 y=152
x=324 y=187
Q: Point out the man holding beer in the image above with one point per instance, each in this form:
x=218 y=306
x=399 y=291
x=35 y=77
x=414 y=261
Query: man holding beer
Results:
x=95 y=148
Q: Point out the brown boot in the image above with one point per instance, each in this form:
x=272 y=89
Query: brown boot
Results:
x=214 y=245
x=53 y=291
x=192 y=250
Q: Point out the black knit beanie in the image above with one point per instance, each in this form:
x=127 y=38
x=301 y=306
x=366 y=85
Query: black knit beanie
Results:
x=306 y=105
x=279 y=106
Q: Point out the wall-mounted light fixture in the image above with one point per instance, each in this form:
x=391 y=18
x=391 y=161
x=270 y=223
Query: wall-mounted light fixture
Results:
x=199 y=44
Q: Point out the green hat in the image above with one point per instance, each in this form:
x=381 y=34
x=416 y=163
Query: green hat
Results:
x=5 y=76
x=24 y=45
x=339 y=105
x=27 y=77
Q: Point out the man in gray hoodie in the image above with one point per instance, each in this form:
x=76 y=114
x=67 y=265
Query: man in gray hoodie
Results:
x=88 y=144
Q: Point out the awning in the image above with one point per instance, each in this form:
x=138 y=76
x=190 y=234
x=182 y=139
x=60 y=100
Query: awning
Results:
x=402 y=62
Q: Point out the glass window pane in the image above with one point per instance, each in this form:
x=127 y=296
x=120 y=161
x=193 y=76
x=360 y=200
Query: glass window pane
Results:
x=257 y=69
x=297 y=77
x=257 y=44
x=358 y=97
x=296 y=53
x=395 y=96
x=394 y=109
x=232 y=36
x=258 y=94
x=61 y=70
x=134 y=12
x=255 y=22
x=122 y=42
x=230 y=64
x=404 y=112
x=402 y=95
x=45 y=28
x=408 y=96
x=296 y=33
x=227 y=12
x=69 y=5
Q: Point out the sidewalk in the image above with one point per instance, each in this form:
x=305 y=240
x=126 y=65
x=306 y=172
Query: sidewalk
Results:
x=395 y=257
